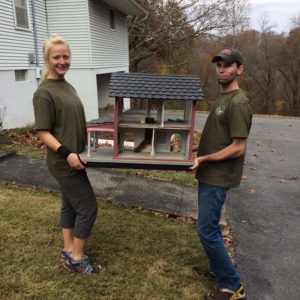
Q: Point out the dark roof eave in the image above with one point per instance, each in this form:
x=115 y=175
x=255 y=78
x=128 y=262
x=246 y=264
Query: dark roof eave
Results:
x=127 y=7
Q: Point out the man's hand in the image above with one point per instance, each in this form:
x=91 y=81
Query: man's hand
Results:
x=197 y=162
x=76 y=162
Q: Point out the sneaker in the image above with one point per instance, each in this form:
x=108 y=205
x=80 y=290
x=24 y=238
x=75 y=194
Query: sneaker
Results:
x=80 y=266
x=64 y=255
x=226 y=294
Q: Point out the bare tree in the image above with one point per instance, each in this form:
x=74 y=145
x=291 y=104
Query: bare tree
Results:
x=171 y=27
x=237 y=17
x=290 y=70
x=295 y=21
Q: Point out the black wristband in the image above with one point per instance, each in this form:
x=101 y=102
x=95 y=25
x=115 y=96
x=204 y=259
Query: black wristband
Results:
x=63 y=152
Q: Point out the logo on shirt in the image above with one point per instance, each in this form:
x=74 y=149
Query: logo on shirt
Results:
x=220 y=110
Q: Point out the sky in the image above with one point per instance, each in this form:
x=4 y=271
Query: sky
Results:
x=279 y=12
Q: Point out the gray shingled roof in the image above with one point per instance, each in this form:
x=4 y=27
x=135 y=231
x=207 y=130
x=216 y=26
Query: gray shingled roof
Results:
x=155 y=86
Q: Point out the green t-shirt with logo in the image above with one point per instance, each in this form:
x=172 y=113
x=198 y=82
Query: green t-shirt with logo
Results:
x=59 y=110
x=230 y=117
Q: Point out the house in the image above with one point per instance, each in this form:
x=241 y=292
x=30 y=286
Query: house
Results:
x=147 y=138
x=96 y=31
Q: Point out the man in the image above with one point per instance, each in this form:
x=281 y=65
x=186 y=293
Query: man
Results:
x=219 y=166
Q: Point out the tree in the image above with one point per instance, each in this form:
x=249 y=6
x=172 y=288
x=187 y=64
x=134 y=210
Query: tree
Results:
x=237 y=16
x=295 y=22
x=290 y=71
x=167 y=34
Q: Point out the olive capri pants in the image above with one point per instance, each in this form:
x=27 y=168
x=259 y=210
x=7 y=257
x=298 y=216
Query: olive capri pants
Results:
x=79 y=205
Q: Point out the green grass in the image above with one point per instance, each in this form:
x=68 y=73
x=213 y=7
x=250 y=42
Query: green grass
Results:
x=181 y=177
x=23 y=150
x=23 y=141
x=143 y=255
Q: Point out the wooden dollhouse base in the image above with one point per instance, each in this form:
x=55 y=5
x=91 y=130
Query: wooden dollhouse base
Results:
x=102 y=158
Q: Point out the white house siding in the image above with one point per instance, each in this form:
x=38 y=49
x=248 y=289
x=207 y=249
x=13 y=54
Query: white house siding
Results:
x=70 y=19
x=85 y=83
x=15 y=46
x=17 y=98
x=109 y=46
x=95 y=47
x=41 y=27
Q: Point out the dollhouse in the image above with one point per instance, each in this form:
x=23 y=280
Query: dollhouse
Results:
x=145 y=135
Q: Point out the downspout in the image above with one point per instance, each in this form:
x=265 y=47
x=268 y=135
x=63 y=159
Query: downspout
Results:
x=37 y=69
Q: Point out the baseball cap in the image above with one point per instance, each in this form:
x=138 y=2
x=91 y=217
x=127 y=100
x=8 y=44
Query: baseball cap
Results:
x=229 y=55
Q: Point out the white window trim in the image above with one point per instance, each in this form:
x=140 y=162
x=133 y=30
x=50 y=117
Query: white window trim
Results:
x=28 y=16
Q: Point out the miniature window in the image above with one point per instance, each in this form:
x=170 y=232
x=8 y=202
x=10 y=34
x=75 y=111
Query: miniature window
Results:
x=21 y=14
x=21 y=75
x=112 y=22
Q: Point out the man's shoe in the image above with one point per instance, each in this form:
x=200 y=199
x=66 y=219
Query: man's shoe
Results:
x=226 y=294
x=80 y=266
x=64 y=255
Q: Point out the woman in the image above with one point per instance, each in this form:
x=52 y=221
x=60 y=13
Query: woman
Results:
x=60 y=124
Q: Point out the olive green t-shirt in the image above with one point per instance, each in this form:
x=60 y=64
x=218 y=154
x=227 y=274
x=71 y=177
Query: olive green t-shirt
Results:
x=230 y=117
x=59 y=110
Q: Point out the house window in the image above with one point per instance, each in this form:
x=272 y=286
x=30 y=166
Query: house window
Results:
x=21 y=75
x=21 y=14
x=112 y=19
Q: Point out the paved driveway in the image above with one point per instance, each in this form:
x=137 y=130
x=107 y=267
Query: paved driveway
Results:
x=265 y=211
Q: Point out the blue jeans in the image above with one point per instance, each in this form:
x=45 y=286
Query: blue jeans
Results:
x=210 y=202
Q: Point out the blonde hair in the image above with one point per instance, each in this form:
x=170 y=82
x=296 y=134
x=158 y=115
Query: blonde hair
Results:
x=53 y=40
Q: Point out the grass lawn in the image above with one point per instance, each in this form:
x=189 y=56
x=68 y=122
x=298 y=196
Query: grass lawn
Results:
x=143 y=255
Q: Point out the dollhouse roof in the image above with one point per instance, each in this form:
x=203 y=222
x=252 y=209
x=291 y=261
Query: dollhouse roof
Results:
x=155 y=86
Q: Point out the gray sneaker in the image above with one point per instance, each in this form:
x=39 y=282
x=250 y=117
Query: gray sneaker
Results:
x=64 y=255
x=80 y=266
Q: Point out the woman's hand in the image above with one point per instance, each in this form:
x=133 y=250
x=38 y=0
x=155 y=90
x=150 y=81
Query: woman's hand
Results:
x=75 y=161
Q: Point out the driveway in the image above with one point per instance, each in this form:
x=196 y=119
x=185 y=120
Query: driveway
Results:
x=265 y=211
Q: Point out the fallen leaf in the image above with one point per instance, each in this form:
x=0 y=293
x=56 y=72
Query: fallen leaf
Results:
x=292 y=178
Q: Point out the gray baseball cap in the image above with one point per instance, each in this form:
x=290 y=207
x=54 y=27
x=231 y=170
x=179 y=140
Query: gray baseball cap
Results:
x=229 y=55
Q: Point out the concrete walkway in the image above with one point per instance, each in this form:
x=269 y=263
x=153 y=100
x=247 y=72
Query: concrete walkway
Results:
x=109 y=184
